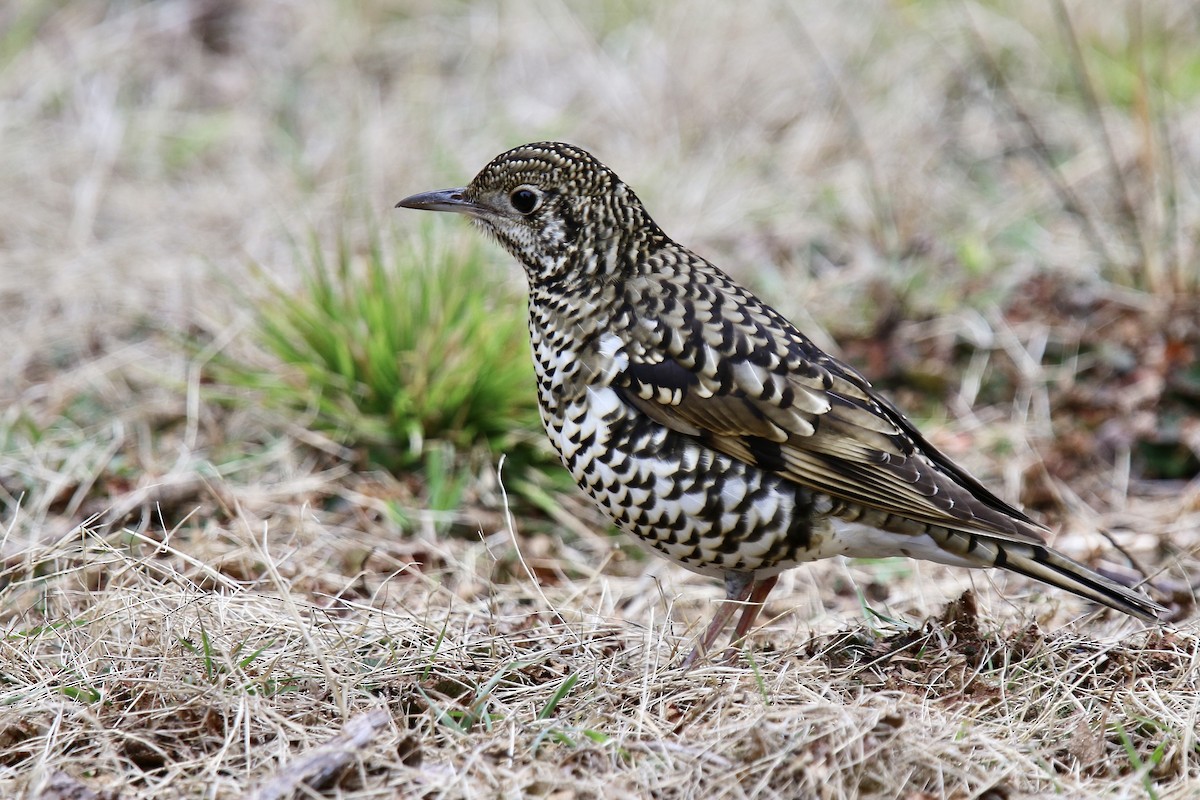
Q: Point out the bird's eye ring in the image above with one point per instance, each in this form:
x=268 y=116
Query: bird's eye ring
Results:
x=525 y=200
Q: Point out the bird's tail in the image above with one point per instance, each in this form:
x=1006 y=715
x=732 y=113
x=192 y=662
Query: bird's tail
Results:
x=1041 y=563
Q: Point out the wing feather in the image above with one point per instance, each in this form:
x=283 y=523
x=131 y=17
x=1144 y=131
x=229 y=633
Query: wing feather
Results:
x=751 y=386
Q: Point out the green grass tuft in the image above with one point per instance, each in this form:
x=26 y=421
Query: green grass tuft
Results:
x=405 y=349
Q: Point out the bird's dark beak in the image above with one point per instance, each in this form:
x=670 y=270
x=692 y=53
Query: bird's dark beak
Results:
x=445 y=200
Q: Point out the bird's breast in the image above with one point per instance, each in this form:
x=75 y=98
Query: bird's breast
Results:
x=700 y=508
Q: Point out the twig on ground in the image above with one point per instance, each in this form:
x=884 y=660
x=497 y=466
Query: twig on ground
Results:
x=324 y=764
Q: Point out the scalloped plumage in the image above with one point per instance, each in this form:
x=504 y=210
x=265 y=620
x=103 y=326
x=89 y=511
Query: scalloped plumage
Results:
x=705 y=424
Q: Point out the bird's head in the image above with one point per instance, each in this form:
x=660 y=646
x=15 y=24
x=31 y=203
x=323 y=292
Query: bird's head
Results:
x=557 y=209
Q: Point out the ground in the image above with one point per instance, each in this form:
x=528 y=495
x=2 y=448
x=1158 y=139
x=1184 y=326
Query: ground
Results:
x=990 y=208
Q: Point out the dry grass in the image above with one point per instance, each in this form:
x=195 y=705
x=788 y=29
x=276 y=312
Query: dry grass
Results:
x=194 y=595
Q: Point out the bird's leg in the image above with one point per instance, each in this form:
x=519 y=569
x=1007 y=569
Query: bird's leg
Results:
x=758 y=595
x=738 y=586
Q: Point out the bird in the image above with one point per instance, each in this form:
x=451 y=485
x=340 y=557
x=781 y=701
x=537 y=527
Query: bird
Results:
x=705 y=424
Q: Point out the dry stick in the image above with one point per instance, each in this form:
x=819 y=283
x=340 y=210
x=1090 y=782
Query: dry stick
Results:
x=292 y=607
x=1093 y=106
x=1170 y=198
x=1070 y=202
x=1159 y=273
x=1116 y=545
x=318 y=767
x=64 y=786
x=1183 y=284
x=512 y=532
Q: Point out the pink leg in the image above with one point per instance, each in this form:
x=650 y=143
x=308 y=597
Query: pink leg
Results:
x=738 y=587
x=758 y=595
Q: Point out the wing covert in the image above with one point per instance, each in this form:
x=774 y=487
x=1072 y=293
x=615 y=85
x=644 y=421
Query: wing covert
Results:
x=759 y=391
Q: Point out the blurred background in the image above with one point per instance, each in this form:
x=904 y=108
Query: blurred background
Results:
x=251 y=415
x=990 y=208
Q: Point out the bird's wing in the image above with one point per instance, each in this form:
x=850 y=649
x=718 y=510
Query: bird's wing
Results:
x=742 y=379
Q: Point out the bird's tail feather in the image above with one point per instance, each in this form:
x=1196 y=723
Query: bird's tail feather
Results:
x=1049 y=566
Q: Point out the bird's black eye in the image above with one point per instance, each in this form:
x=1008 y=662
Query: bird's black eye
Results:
x=525 y=201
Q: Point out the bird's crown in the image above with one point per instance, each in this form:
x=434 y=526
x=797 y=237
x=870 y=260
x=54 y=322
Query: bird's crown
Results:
x=555 y=207
x=554 y=166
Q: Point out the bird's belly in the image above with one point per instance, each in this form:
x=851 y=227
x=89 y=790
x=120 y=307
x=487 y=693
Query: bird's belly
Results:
x=707 y=511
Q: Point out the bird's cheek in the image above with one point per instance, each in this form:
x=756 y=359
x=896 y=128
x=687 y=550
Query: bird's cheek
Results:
x=553 y=234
